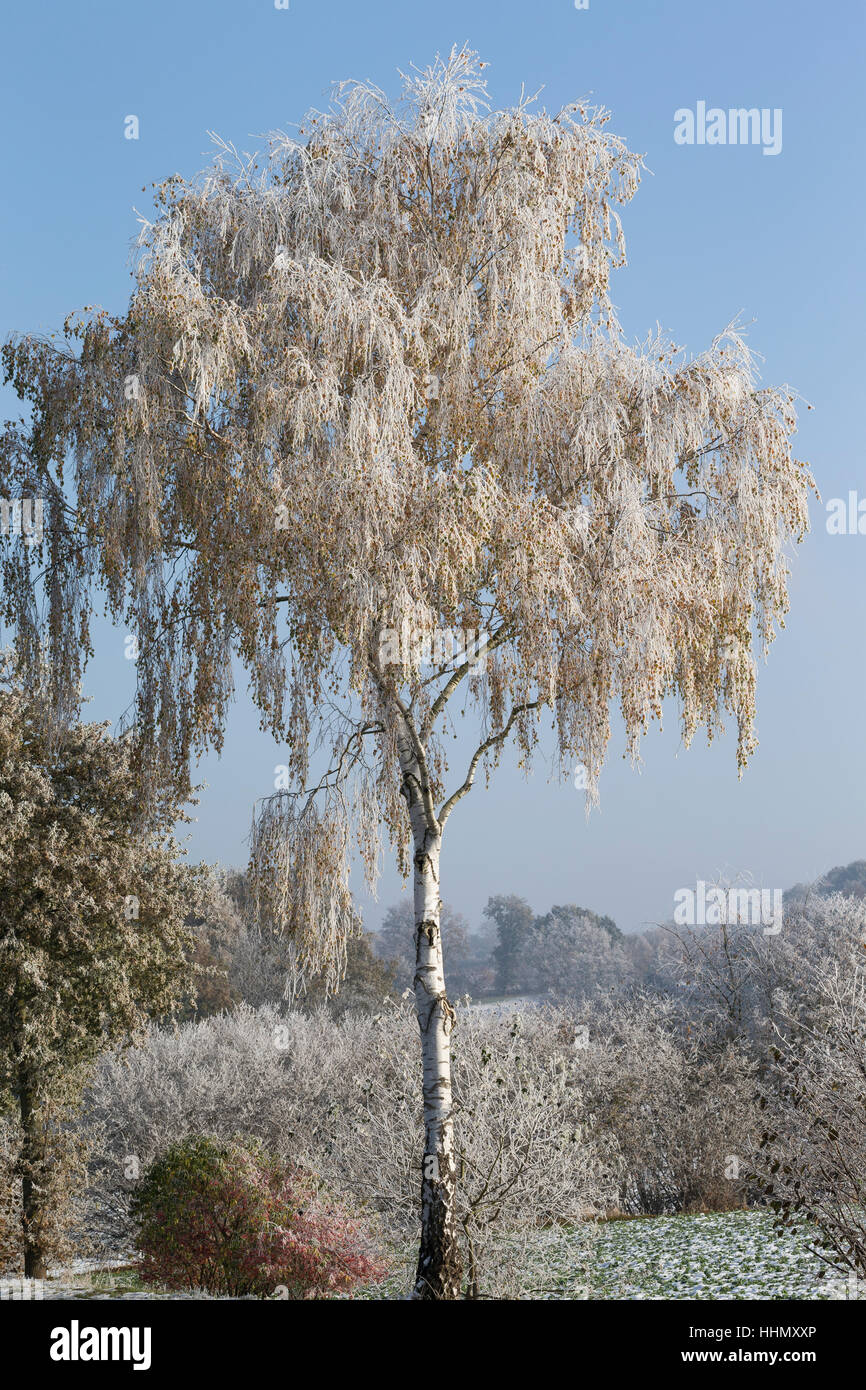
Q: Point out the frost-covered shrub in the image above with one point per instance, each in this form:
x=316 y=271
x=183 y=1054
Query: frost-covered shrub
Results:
x=526 y=1153
x=812 y=1156
x=341 y=1097
x=10 y=1198
x=256 y=1073
x=560 y=1114
x=234 y=1220
x=681 y=1121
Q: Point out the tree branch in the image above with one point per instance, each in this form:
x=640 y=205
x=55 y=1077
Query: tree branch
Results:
x=479 y=754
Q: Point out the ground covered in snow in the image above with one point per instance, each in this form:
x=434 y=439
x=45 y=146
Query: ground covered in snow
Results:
x=730 y=1255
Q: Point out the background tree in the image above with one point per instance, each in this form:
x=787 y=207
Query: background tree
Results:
x=573 y=951
x=371 y=390
x=239 y=961
x=476 y=973
x=514 y=920
x=92 y=939
x=217 y=928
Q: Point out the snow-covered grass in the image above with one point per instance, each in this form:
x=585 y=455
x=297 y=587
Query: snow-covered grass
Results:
x=104 y=1282
x=725 y=1255
x=718 y=1256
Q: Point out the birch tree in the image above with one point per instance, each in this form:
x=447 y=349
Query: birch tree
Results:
x=370 y=425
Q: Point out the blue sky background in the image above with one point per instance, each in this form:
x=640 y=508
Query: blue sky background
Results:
x=715 y=232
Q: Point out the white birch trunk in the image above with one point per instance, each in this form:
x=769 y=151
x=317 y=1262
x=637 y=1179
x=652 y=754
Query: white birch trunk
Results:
x=439 y=1274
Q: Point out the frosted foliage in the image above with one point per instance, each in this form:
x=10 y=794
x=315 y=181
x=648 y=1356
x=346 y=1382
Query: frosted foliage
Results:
x=303 y=860
x=380 y=382
x=812 y=1156
x=343 y=1098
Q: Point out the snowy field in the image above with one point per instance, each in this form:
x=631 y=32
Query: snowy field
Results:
x=731 y=1255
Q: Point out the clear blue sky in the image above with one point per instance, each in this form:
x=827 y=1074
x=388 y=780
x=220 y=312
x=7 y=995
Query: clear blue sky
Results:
x=716 y=231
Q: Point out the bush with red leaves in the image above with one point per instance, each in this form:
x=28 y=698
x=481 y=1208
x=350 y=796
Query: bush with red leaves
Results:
x=231 y=1219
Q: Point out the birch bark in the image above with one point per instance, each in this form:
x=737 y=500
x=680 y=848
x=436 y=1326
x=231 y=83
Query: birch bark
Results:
x=439 y=1271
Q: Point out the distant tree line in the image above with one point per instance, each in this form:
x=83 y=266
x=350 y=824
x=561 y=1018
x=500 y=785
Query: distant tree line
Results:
x=567 y=953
